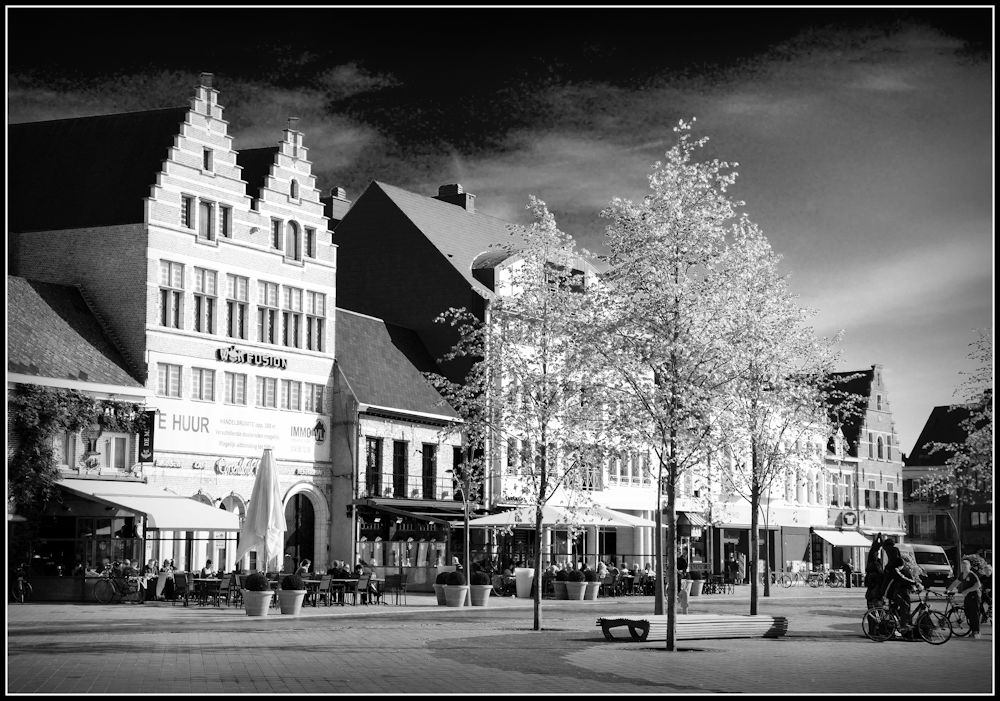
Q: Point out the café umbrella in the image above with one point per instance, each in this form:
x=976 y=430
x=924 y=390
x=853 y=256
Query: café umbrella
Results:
x=551 y=516
x=264 y=525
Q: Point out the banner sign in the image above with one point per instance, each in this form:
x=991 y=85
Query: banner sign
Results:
x=147 y=424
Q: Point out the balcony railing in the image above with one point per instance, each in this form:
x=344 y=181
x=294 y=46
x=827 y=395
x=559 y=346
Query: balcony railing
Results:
x=412 y=487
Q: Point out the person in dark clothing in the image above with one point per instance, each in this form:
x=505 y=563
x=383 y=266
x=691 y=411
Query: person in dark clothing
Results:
x=968 y=583
x=732 y=569
x=682 y=566
x=898 y=590
x=874 y=571
x=848 y=571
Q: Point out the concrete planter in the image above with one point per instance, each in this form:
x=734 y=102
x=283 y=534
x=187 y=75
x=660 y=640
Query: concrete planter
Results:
x=576 y=590
x=696 y=586
x=560 y=589
x=439 y=593
x=290 y=601
x=480 y=594
x=686 y=585
x=257 y=602
x=454 y=594
x=592 y=589
x=523 y=577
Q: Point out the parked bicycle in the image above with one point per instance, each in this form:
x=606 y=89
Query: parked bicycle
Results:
x=21 y=590
x=881 y=622
x=118 y=589
x=956 y=616
x=790 y=578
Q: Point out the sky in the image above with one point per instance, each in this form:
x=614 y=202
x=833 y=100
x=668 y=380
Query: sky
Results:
x=863 y=137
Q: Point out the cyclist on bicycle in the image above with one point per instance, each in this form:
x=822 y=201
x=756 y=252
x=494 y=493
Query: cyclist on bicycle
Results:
x=968 y=583
x=898 y=590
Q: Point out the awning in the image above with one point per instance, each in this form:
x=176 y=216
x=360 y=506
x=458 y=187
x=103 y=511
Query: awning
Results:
x=163 y=511
x=622 y=519
x=844 y=539
x=695 y=519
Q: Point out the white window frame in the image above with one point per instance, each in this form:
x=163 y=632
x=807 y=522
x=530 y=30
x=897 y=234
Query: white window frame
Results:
x=168 y=374
x=203 y=384
x=235 y=390
x=265 y=384
x=206 y=303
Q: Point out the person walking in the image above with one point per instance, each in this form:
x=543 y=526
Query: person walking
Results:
x=874 y=571
x=968 y=583
x=848 y=569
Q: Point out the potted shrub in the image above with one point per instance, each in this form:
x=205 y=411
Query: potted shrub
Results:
x=480 y=588
x=456 y=589
x=291 y=594
x=559 y=585
x=593 y=585
x=576 y=585
x=439 y=582
x=696 y=583
x=257 y=594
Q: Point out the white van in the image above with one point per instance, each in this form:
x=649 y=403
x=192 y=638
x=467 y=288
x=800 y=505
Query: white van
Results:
x=933 y=561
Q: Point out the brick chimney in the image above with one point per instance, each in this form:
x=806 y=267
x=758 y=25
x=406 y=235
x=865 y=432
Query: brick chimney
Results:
x=206 y=80
x=454 y=194
x=338 y=193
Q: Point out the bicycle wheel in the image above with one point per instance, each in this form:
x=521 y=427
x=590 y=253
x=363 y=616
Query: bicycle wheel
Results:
x=836 y=582
x=786 y=581
x=497 y=583
x=934 y=628
x=959 y=623
x=878 y=624
x=104 y=591
x=815 y=582
x=17 y=592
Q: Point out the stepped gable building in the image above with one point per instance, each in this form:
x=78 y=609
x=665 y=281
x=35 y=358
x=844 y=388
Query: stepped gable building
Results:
x=212 y=271
x=933 y=522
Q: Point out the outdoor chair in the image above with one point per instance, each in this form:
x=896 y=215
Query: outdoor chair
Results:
x=237 y=590
x=350 y=589
x=183 y=586
x=225 y=591
x=396 y=584
x=607 y=585
x=362 y=589
x=323 y=591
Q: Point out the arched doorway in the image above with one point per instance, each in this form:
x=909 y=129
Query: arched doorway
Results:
x=300 y=518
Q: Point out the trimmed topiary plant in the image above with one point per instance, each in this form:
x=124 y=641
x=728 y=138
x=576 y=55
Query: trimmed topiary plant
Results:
x=590 y=575
x=480 y=578
x=575 y=576
x=256 y=582
x=442 y=578
x=561 y=576
x=456 y=579
x=292 y=582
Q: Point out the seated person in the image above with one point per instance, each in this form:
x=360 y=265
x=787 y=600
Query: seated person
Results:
x=303 y=570
x=207 y=571
x=89 y=571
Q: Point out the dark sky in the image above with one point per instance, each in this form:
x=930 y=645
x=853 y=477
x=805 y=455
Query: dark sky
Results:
x=863 y=137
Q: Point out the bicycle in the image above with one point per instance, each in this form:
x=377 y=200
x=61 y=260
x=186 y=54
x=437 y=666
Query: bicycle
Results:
x=789 y=579
x=503 y=585
x=956 y=617
x=21 y=591
x=880 y=622
x=117 y=590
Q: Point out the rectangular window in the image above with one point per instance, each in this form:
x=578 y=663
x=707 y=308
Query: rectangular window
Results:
x=168 y=380
x=203 y=384
x=171 y=294
x=267 y=312
x=276 y=234
x=206 y=159
x=291 y=332
x=511 y=456
x=292 y=249
x=206 y=222
x=204 y=300
x=187 y=212
x=238 y=295
x=834 y=490
x=236 y=388
x=847 y=490
x=373 y=467
x=291 y=395
x=310 y=242
x=314 y=398
x=400 y=450
x=315 y=320
x=115 y=452
x=430 y=470
x=266 y=390
x=225 y=221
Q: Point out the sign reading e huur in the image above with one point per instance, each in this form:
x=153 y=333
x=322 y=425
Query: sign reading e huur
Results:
x=147 y=424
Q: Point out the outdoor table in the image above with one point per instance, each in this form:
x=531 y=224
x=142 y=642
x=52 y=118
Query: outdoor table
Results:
x=341 y=586
x=203 y=587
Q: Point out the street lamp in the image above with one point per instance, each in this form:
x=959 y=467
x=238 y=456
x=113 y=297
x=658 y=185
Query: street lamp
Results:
x=465 y=487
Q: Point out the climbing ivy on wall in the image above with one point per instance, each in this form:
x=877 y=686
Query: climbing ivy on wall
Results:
x=40 y=414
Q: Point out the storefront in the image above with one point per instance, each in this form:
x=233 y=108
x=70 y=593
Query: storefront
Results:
x=831 y=548
x=101 y=520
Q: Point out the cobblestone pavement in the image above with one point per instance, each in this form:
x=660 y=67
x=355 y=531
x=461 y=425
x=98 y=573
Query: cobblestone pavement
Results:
x=423 y=648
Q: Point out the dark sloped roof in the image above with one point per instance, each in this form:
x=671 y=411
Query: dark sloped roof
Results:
x=87 y=171
x=383 y=364
x=943 y=426
x=256 y=164
x=461 y=236
x=51 y=332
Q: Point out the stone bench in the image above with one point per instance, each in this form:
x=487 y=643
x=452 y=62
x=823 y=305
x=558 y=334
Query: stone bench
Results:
x=698 y=626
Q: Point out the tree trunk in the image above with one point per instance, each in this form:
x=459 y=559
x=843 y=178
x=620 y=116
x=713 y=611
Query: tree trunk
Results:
x=670 y=580
x=754 y=521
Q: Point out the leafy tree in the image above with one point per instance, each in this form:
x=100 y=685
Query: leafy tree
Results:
x=529 y=372
x=967 y=472
x=661 y=326
x=781 y=385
